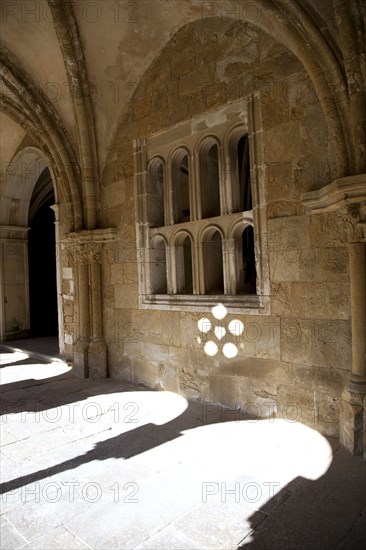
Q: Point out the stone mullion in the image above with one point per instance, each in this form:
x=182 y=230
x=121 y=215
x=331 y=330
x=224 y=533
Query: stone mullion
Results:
x=230 y=268
x=201 y=268
x=226 y=188
x=197 y=213
x=195 y=266
x=170 y=194
x=192 y=182
x=166 y=191
x=171 y=270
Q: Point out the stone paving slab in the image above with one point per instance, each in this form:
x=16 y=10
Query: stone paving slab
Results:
x=57 y=539
x=170 y=539
x=151 y=470
x=10 y=537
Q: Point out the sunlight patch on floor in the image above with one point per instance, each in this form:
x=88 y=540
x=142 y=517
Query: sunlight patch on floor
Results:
x=35 y=371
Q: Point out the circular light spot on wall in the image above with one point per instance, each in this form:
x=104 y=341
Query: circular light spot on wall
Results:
x=204 y=324
x=211 y=348
x=219 y=311
x=220 y=332
x=236 y=327
x=230 y=350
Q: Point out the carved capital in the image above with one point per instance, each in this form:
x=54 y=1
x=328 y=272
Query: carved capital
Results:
x=86 y=247
x=347 y=196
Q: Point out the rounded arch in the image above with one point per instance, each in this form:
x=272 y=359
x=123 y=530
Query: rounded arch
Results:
x=236 y=142
x=176 y=151
x=208 y=150
x=302 y=34
x=158 y=265
x=238 y=226
x=212 y=251
x=155 y=162
x=208 y=230
x=179 y=236
x=233 y=135
x=157 y=238
x=180 y=166
x=183 y=261
x=155 y=208
x=205 y=142
x=245 y=261
x=32 y=111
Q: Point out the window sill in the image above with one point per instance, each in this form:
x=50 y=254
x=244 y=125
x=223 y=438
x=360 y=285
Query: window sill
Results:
x=247 y=304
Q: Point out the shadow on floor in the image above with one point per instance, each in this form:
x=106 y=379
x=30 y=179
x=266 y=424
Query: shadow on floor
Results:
x=325 y=514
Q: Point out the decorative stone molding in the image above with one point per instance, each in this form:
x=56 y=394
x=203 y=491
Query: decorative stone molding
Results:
x=341 y=192
x=85 y=247
x=8 y=232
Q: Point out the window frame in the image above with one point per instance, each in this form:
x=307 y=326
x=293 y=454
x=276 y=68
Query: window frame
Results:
x=191 y=138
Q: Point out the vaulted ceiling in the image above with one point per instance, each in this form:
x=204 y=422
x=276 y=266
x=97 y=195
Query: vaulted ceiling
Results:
x=70 y=68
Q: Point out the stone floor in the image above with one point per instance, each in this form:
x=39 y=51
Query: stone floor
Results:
x=100 y=464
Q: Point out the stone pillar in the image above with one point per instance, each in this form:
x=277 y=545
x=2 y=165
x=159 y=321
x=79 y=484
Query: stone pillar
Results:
x=84 y=250
x=82 y=343
x=97 y=352
x=347 y=195
x=352 y=428
x=230 y=268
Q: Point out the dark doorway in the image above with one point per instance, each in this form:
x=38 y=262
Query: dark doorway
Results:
x=42 y=270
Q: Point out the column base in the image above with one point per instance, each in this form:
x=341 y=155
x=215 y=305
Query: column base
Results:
x=97 y=360
x=352 y=419
x=80 y=361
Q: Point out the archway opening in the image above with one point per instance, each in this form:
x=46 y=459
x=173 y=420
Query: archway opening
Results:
x=42 y=260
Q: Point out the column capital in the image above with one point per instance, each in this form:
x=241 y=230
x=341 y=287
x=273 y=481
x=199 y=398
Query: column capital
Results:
x=343 y=192
x=86 y=247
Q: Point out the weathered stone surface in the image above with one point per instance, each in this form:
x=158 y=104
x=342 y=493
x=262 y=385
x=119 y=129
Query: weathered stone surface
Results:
x=164 y=71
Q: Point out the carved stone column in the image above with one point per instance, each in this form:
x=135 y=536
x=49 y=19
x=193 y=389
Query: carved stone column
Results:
x=97 y=352
x=83 y=333
x=350 y=194
x=85 y=253
x=353 y=427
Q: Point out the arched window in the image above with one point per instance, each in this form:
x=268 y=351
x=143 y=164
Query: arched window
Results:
x=180 y=176
x=245 y=262
x=184 y=265
x=215 y=214
x=158 y=276
x=155 y=193
x=213 y=263
x=210 y=180
x=239 y=166
x=245 y=190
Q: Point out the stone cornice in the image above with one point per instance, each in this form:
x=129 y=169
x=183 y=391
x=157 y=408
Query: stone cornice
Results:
x=9 y=232
x=341 y=192
x=87 y=236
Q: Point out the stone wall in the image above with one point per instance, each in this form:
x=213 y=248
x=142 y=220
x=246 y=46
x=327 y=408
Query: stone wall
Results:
x=295 y=361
